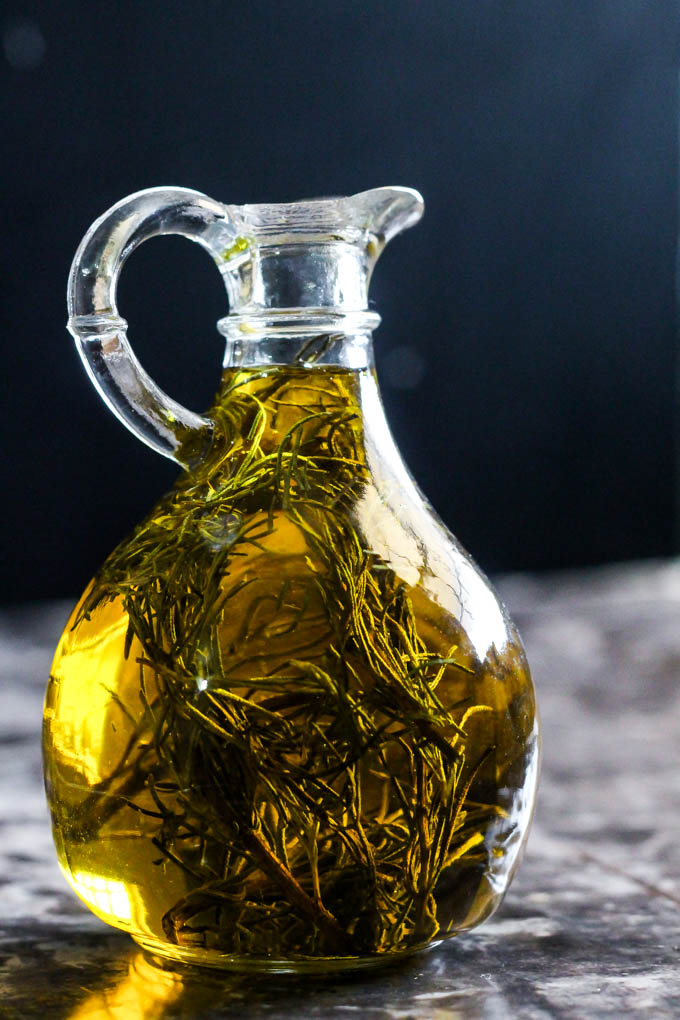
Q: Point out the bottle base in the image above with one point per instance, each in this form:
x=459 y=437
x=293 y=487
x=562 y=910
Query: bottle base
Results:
x=170 y=957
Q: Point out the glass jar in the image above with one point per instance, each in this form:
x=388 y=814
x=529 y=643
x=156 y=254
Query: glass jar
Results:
x=289 y=725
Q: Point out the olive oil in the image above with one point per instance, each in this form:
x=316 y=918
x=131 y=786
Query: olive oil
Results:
x=266 y=738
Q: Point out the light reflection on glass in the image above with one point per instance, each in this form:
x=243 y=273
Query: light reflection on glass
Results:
x=103 y=894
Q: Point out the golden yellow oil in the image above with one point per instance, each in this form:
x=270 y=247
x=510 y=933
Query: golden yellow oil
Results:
x=262 y=742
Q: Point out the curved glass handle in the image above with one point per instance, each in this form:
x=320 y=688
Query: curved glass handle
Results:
x=101 y=334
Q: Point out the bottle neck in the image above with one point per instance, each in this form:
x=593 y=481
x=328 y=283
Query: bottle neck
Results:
x=302 y=337
x=312 y=273
x=299 y=300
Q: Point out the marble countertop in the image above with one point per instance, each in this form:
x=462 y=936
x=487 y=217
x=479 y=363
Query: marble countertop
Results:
x=590 y=927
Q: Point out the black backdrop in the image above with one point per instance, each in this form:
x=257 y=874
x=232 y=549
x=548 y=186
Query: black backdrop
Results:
x=527 y=346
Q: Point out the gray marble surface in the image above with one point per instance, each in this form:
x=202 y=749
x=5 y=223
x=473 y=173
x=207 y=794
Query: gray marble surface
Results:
x=590 y=927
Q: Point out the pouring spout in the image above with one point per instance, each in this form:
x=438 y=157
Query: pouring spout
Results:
x=385 y=212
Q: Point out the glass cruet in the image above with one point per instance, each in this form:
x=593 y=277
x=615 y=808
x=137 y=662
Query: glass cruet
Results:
x=289 y=725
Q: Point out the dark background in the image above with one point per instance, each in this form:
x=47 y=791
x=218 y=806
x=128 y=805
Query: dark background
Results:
x=527 y=346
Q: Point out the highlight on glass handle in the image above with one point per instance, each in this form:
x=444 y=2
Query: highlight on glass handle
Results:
x=100 y=332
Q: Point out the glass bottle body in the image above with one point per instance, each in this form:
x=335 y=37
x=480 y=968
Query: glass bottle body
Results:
x=289 y=725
